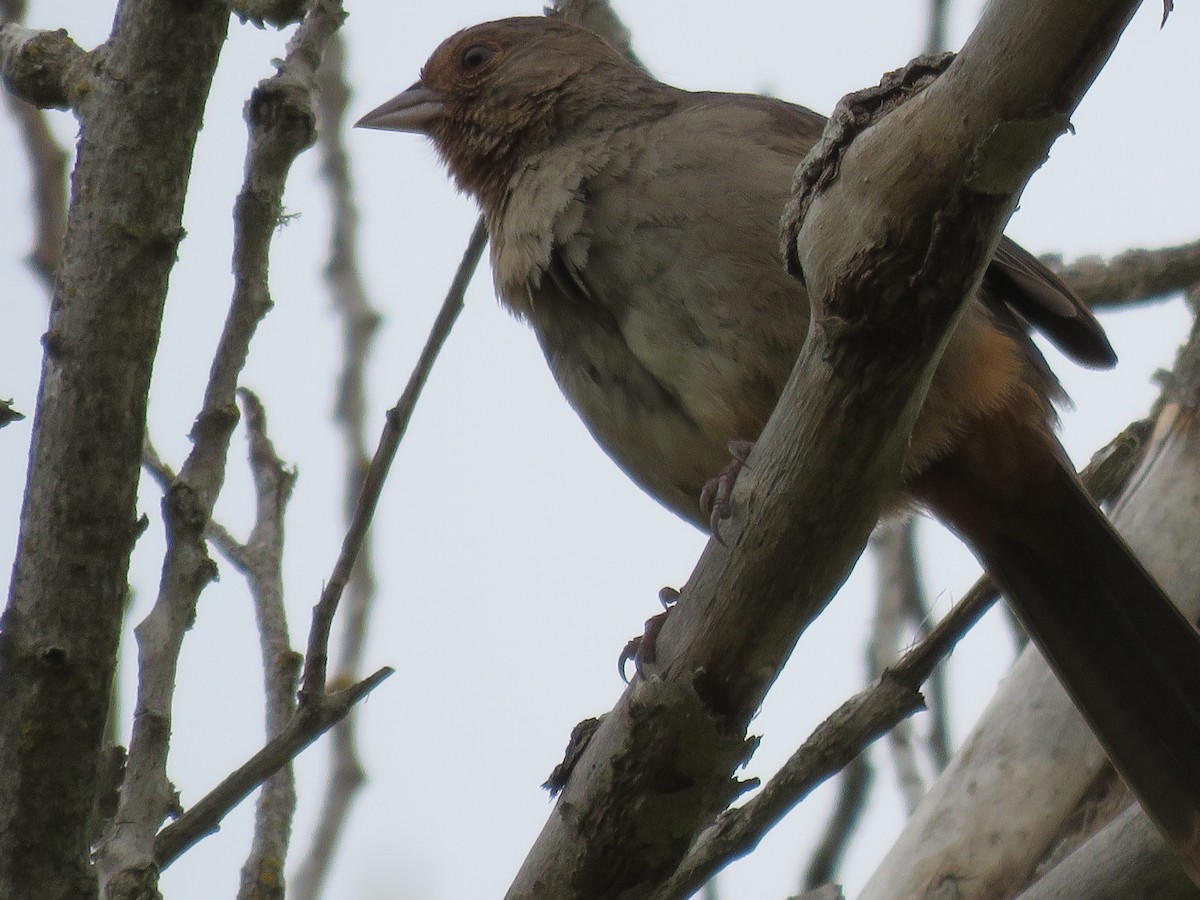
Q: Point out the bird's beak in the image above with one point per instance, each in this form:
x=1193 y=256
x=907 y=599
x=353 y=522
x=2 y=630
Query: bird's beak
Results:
x=414 y=111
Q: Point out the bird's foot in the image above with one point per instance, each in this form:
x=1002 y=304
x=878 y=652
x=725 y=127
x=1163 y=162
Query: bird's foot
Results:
x=643 y=650
x=717 y=492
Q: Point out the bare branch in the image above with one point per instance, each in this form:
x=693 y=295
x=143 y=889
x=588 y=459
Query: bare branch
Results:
x=1133 y=277
x=1127 y=858
x=48 y=165
x=262 y=874
x=899 y=594
x=899 y=603
x=42 y=68
x=282 y=124
x=164 y=476
x=316 y=659
x=832 y=746
x=311 y=720
x=359 y=325
x=899 y=599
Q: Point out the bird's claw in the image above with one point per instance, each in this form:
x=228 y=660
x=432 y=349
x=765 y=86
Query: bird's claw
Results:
x=717 y=492
x=643 y=650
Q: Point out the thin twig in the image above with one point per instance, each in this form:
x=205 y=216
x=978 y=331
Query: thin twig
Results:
x=317 y=657
x=311 y=720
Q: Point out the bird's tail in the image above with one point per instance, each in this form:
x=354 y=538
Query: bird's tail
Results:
x=1124 y=652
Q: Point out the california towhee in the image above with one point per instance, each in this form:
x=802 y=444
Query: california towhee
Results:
x=635 y=227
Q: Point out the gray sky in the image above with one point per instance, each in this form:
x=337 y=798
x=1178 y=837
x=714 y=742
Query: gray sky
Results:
x=515 y=560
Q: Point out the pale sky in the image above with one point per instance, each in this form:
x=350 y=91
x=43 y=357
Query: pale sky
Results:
x=515 y=560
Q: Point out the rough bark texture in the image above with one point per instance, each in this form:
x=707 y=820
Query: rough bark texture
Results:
x=140 y=110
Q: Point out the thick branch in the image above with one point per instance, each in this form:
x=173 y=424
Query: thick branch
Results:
x=78 y=522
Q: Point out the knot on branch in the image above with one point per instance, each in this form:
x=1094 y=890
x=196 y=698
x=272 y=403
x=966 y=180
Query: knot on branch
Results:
x=185 y=508
x=37 y=65
x=53 y=657
x=854 y=114
x=280 y=111
x=673 y=765
x=581 y=736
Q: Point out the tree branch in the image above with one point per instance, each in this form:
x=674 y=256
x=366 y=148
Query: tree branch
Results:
x=43 y=68
x=282 y=124
x=262 y=873
x=900 y=603
x=312 y=719
x=854 y=787
x=78 y=523
x=316 y=659
x=1133 y=277
x=1126 y=858
x=359 y=325
x=935 y=35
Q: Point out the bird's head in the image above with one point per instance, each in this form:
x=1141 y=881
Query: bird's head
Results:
x=494 y=94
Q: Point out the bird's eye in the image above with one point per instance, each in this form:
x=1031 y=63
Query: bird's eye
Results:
x=476 y=56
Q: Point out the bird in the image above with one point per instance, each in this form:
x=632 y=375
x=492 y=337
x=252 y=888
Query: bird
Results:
x=634 y=226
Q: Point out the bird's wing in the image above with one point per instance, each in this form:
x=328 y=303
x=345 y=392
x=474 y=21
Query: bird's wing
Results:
x=1046 y=302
